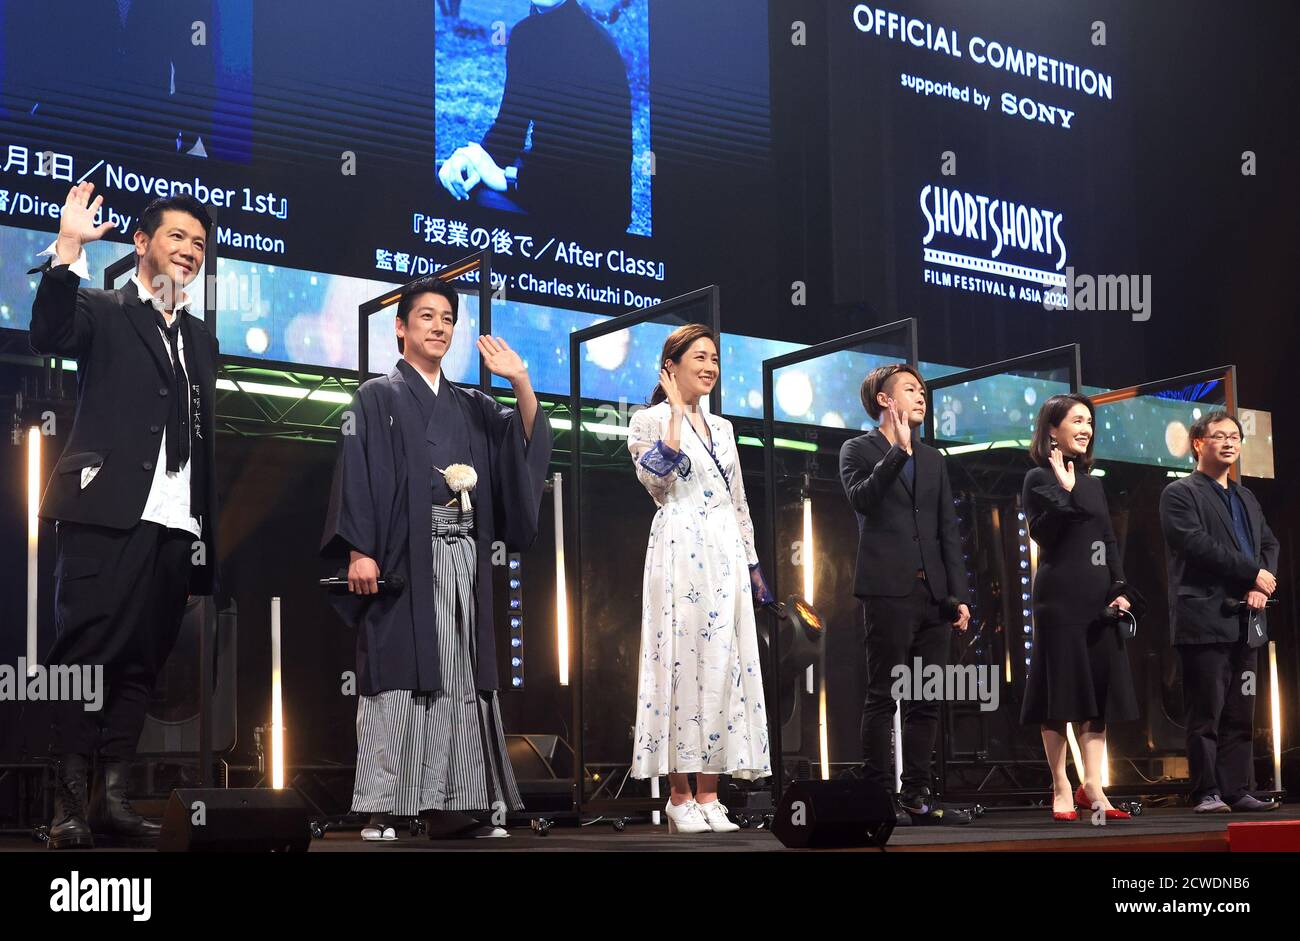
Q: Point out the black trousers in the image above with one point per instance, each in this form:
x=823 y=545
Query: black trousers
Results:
x=897 y=631
x=1219 y=717
x=119 y=599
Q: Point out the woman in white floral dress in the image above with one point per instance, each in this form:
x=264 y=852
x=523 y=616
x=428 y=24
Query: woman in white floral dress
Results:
x=700 y=702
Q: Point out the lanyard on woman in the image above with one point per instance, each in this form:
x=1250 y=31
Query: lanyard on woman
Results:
x=709 y=447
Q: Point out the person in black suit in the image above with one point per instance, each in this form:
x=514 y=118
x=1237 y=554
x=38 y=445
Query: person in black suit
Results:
x=1079 y=670
x=1222 y=561
x=133 y=495
x=909 y=569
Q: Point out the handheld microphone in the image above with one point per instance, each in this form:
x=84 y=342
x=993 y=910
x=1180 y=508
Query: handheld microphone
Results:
x=1233 y=606
x=388 y=585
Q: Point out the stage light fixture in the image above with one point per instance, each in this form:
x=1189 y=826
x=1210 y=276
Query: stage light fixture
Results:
x=802 y=633
x=803 y=609
x=33 y=540
x=898 y=746
x=277 y=707
x=284 y=392
x=514 y=564
x=808 y=562
x=561 y=588
x=822 y=732
x=787 y=444
x=1028 y=552
x=1275 y=708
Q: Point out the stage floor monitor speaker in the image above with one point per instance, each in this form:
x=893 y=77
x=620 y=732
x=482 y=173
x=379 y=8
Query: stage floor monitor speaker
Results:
x=543 y=766
x=826 y=814
x=234 y=820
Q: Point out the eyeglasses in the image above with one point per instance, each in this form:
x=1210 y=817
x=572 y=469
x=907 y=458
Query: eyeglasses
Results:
x=1219 y=438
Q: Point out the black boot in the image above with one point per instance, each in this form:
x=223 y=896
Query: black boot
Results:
x=916 y=800
x=113 y=815
x=68 y=829
x=901 y=817
x=927 y=811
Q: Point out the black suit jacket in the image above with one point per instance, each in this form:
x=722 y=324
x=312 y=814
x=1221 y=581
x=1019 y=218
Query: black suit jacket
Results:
x=124 y=377
x=1207 y=566
x=891 y=515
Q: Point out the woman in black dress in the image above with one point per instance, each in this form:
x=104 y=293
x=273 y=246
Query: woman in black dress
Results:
x=1079 y=669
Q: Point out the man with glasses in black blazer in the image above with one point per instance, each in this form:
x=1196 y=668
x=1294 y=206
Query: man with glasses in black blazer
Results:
x=1222 y=562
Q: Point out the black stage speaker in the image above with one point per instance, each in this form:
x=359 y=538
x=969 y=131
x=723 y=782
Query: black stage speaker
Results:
x=543 y=766
x=823 y=814
x=224 y=820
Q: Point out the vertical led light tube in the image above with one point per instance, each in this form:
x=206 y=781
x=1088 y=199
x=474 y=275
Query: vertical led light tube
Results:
x=1275 y=704
x=561 y=588
x=277 y=709
x=33 y=537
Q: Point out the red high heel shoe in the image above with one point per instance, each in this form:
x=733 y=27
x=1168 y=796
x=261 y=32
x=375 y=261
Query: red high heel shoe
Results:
x=1068 y=816
x=1081 y=798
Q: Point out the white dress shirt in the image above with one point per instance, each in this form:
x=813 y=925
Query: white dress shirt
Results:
x=168 y=503
x=435 y=383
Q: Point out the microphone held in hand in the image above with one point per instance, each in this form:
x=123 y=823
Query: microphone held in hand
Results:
x=388 y=585
x=1232 y=606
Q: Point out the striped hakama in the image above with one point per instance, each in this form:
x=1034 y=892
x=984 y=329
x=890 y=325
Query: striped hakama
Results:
x=443 y=751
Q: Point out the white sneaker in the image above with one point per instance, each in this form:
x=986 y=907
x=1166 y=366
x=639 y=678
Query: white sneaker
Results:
x=715 y=815
x=685 y=818
x=375 y=834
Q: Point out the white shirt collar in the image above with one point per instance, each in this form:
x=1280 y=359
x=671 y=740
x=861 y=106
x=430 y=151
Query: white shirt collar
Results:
x=435 y=383
x=186 y=302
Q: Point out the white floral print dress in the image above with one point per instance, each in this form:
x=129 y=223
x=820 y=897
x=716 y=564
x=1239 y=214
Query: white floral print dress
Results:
x=700 y=701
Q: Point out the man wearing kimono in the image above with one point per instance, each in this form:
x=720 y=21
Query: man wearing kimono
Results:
x=431 y=479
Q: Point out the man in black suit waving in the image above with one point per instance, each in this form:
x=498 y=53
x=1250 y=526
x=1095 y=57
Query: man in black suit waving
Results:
x=909 y=566
x=1222 y=563
x=134 y=492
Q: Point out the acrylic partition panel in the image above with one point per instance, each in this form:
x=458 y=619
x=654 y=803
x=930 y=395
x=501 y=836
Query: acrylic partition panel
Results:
x=375 y=329
x=814 y=672
x=1143 y=445
x=610 y=516
x=982 y=421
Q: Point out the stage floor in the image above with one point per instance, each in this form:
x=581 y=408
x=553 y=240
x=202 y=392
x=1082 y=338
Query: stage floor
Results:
x=1156 y=830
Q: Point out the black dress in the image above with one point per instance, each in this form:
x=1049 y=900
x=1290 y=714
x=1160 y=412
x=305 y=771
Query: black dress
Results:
x=1078 y=666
